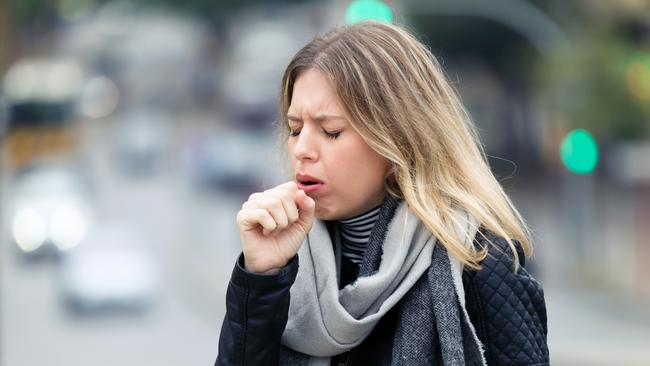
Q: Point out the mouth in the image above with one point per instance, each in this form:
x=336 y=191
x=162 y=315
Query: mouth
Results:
x=308 y=183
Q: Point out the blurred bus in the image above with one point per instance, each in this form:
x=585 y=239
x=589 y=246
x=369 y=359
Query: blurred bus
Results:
x=40 y=101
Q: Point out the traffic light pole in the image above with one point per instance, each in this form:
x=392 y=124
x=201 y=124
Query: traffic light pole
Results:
x=577 y=211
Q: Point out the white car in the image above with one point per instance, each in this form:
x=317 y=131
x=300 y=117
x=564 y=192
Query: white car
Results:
x=49 y=209
x=110 y=270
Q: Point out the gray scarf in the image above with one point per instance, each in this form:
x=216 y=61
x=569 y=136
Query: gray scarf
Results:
x=403 y=266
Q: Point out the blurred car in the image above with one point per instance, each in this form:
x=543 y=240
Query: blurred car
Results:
x=110 y=270
x=49 y=208
x=141 y=142
x=235 y=161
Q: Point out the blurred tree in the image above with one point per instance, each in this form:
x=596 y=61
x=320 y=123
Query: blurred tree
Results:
x=5 y=36
x=25 y=10
x=602 y=81
x=602 y=84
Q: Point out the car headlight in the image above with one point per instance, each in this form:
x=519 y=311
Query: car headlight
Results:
x=29 y=229
x=67 y=227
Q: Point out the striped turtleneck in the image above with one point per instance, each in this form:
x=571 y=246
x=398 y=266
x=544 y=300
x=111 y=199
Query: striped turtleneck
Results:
x=355 y=233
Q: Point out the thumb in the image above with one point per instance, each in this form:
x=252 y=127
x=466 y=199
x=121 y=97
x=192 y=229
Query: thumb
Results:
x=306 y=208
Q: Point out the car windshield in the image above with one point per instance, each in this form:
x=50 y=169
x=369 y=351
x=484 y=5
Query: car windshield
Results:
x=40 y=181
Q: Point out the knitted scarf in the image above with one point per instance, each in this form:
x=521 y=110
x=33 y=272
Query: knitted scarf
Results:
x=404 y=267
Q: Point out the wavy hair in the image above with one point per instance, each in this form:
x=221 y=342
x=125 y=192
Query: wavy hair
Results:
x=397 y=98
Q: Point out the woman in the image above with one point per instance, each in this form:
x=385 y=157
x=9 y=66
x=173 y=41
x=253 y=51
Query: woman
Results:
x=410 y=251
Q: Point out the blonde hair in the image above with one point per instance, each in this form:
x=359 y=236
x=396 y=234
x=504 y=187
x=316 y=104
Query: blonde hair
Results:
x=396 y=95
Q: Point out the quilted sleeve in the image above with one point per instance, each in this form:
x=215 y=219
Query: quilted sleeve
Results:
x=507 y=308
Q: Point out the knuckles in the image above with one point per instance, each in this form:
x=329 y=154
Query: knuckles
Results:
x=240 y=217
x=272 y=200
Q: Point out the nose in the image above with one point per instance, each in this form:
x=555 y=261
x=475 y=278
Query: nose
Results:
x=305 y=145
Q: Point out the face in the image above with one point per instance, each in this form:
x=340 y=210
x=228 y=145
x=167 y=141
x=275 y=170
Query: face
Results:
x=325 y=148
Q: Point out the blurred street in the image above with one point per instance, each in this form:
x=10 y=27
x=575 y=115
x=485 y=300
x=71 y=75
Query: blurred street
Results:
x=194 y=242
x=588 y=323
x=132 y=131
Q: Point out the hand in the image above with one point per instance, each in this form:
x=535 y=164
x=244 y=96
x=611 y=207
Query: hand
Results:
x=272 y=226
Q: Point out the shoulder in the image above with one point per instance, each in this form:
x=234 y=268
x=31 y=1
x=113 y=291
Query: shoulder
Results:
x=507 y=307
x=498 y=249
x=497 y=281
x=498 y=272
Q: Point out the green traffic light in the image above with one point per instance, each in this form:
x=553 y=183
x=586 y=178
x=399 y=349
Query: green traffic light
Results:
x=360 y=10
x=579 y=152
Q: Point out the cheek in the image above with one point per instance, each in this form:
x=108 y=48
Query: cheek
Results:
x=358 y=165
x=341 y=162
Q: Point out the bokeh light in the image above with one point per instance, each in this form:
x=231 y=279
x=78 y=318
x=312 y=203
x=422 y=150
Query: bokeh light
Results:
x=360 y=10
x=579 y=152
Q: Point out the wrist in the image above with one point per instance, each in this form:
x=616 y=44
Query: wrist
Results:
x=261 y=270
x=271 y=271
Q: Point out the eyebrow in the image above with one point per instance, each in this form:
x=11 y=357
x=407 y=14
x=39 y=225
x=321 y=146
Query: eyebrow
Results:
x=319 y=118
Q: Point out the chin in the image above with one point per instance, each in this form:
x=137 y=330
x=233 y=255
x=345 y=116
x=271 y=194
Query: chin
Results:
x=321 y=215
x=324 y=213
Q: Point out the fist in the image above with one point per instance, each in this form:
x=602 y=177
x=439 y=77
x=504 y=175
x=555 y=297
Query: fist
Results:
x=272 y=226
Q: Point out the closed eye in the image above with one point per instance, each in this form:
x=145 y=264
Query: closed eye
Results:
x=331 y=135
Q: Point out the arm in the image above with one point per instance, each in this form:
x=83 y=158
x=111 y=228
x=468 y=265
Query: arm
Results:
x=507 y=308
x=257 y=306
x=272 y=226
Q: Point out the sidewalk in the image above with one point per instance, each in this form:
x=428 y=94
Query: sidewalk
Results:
x=596 y=329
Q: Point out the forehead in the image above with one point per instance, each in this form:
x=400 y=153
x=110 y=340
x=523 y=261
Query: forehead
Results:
x=313 y=94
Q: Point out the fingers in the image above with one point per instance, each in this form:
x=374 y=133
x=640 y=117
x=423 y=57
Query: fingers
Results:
x=274 y=206
x=307 y=207
x=252 y=218
x=287 y=197
x=291 y=186
x=281 y=204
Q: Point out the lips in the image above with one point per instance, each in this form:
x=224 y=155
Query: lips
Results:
x=307 y=183
x=304 y=178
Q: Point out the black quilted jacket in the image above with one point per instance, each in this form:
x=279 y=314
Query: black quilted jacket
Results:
x=506 y=308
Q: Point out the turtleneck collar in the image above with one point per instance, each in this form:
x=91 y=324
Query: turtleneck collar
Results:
x=355 y=233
